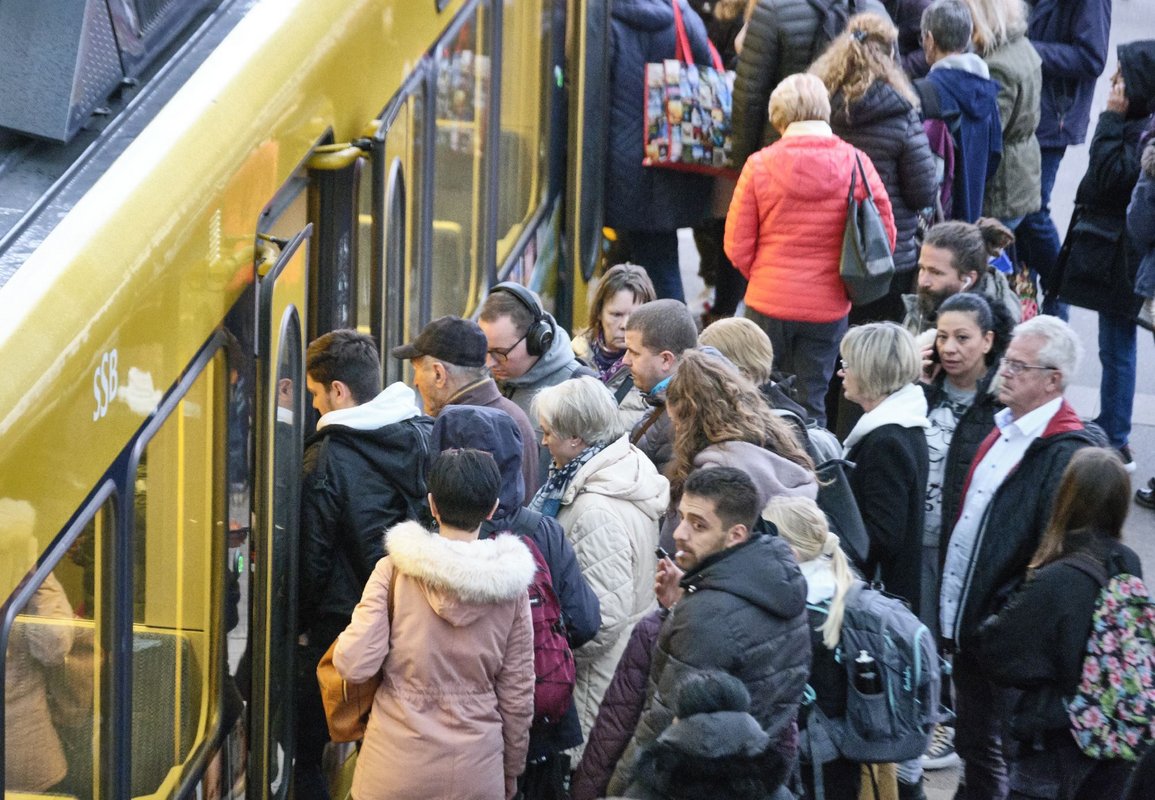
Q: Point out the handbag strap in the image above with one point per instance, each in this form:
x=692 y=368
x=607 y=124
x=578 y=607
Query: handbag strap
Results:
x=859 y=170
x=682 y=49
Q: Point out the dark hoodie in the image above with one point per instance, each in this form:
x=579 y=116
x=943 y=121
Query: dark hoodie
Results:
x=959 y=91
x=884 y=125
x=744 y=613
x=641 y=198
x=495 y=432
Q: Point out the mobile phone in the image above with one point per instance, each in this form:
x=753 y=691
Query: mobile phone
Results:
x=935 y=358
x=661 y=553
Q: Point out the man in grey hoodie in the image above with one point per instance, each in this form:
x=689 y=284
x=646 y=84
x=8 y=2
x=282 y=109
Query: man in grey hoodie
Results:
x=528 y=350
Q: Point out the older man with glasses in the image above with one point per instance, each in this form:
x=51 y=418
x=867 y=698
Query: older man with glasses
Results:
x=1006 y=506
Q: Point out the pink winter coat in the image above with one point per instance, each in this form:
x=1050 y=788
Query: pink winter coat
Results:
x=786 y=221
x=451 y=719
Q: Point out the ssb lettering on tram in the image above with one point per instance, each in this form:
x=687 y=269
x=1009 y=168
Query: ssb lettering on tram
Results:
x=105 y=383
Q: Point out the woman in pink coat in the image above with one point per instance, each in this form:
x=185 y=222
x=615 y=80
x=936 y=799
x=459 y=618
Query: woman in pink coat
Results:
x=451 y=717
x=784 y=234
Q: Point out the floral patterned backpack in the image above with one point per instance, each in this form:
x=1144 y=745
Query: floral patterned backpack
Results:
x=1113 y=711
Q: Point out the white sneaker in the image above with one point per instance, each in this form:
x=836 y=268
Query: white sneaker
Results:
x=940 y=754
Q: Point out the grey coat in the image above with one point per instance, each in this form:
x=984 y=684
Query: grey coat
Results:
x=1016 y=187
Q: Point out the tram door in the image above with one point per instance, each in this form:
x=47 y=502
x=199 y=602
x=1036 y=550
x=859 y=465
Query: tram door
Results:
x=282 y=267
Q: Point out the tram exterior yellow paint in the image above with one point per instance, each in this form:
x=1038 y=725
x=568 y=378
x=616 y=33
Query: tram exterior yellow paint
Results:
x=147 y=263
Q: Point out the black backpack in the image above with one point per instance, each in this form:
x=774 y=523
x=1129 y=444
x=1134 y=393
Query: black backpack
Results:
x=832 y=17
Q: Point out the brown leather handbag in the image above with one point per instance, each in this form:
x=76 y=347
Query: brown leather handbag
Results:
x=347 y=704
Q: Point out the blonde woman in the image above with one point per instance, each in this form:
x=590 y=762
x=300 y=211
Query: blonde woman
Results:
x=829 y=576
x=784 y=234
x=874 y=107
x=1000 y=38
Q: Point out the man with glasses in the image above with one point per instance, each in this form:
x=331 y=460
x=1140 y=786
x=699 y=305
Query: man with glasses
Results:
x=527 y=351
x=1006 y=506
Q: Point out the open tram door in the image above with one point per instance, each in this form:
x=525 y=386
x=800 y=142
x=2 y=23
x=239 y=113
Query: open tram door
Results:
x=282 y=275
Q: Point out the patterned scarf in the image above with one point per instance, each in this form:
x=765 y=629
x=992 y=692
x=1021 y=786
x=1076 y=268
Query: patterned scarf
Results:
x=607 y=362
x=548 y=497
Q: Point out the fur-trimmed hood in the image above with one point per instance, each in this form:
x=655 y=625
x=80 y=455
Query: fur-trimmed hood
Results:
x=1149 y=159
x=461 y=578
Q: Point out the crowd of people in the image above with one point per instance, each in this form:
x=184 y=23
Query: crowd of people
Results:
x=668 y=482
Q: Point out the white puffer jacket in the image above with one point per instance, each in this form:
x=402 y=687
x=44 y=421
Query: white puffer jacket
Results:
x=610 y=513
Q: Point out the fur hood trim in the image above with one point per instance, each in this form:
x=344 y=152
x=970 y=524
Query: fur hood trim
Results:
x=1149 y=159
x=479 y=572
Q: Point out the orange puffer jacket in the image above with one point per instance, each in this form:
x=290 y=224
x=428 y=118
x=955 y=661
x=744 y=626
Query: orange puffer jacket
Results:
x=785 y=225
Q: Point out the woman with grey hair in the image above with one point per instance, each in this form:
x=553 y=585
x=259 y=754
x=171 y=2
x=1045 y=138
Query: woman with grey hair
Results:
x=880 y=365
x=608 y=497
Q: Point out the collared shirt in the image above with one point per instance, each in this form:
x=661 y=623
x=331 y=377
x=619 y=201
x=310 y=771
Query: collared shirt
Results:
x=1015 y=436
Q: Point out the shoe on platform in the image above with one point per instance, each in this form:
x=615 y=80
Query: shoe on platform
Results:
x=1128 y=458
x=911 y=791
x=940 y=754
x=1145 y=498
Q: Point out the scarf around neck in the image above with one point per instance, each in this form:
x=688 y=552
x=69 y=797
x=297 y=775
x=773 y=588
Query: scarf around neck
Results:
x=606 y=361
x=548 y=497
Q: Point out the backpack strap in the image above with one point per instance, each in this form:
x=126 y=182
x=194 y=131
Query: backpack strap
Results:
x=624 y=389
x=1088 y=565
x=637 y=435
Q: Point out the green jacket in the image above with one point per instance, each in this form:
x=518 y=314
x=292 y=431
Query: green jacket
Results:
x=1015 y=189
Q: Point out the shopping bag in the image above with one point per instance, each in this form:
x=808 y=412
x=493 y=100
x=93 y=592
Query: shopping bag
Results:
x=867 y=265
x=688 y=111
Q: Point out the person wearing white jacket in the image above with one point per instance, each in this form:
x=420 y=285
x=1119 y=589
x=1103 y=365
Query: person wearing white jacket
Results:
x=608 y=497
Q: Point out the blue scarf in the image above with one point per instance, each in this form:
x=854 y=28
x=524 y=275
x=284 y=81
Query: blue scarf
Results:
x=548 y=497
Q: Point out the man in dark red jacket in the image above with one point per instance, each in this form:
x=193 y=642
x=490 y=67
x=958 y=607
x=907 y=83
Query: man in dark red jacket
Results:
x=1007 y=504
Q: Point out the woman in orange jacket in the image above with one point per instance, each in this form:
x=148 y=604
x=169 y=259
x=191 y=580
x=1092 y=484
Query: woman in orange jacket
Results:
x=784 y=234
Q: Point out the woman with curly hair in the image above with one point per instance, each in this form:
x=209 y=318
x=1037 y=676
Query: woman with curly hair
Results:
x=874 y=107
x=720 y=419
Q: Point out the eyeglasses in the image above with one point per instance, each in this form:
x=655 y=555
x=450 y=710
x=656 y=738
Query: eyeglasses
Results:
x=501 y=354
x=1013 y=367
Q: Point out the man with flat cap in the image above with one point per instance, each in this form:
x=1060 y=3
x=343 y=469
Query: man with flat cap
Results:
x=449 y=370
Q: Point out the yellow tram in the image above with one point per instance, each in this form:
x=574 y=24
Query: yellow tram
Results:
x=326 y=164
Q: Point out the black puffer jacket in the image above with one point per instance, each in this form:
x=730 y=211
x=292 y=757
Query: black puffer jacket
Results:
x=780 y=37
x=1038 y=641
x=744 y=612
x=884 y=125
x=974 y=425
x=356 y=484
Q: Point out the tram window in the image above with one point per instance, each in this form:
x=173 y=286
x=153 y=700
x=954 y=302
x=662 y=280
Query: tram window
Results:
x=180 y=511
x=367 y=286
x=52 y=669
x=462 y=112
x=525 y=88
x=402 y=163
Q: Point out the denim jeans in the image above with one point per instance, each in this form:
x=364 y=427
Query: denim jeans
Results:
x=806 y=350
x=1037 y=240
x=657 y=252
x=980 y=711
x=1117 y=349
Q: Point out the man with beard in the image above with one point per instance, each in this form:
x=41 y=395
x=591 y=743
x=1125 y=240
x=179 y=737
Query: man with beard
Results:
x=953 y=259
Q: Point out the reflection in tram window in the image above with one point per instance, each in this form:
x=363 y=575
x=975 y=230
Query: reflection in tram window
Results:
x=51 y=672
x=174 y=649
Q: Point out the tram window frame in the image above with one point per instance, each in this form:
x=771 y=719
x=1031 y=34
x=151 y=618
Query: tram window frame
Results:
x=214 y=670
x=103 y=503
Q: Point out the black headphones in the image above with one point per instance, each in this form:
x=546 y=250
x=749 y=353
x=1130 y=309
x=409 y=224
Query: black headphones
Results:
x=540 y=334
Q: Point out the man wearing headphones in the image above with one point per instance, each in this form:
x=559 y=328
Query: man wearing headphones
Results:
x=528 y=350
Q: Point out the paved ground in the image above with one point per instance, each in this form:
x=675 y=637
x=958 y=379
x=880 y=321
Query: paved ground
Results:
x=1131 y=20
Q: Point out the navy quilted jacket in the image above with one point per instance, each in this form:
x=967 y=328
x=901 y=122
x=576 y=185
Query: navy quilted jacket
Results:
x=644 y=198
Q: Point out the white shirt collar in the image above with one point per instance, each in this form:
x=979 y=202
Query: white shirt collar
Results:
x=1031 y=424
x=808 y=127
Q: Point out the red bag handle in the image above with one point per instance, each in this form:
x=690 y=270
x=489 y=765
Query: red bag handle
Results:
x=682 y=49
